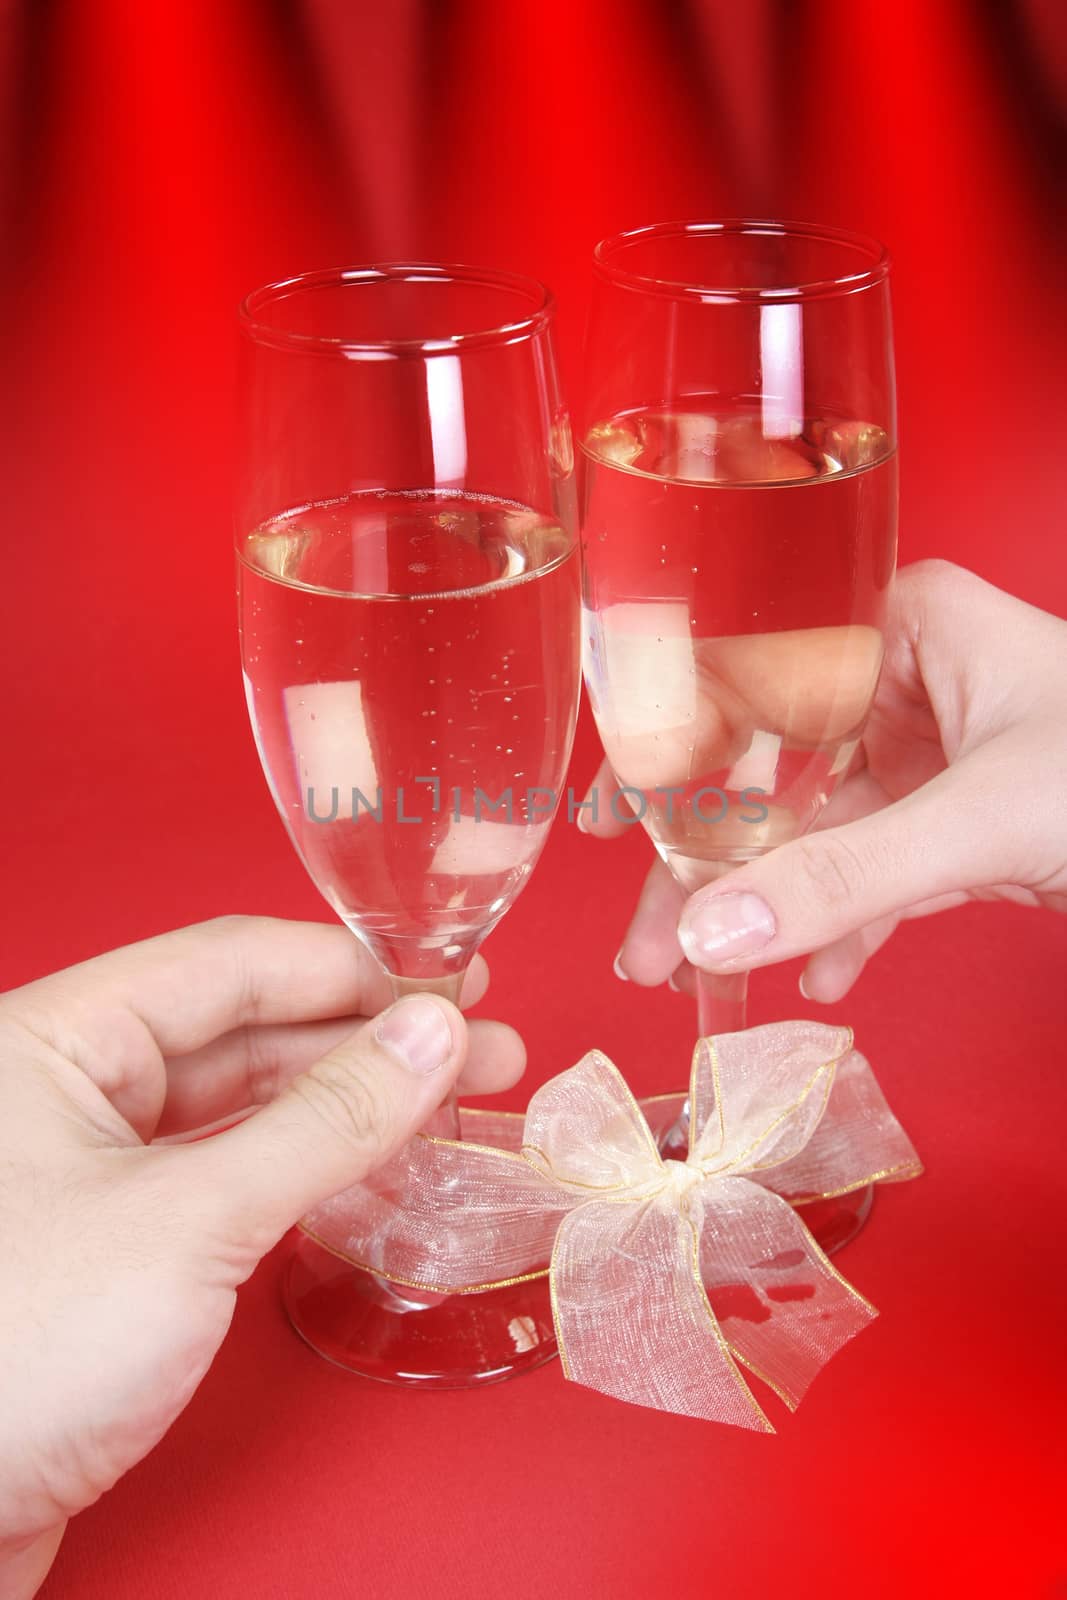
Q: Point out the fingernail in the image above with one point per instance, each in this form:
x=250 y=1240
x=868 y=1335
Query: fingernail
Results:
x=672 y=986
x=579 y=818
x=616 y=967
x=416 y=1031
x=726 y=926
x=803 y=987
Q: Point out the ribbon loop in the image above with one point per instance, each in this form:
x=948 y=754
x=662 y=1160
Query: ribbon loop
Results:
x=586 y=1130
x=757 y=1098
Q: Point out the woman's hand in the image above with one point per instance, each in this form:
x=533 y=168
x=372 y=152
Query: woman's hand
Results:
x=119 y=1257
x=957 y=792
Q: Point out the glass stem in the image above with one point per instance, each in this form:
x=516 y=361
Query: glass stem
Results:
x=445 y=1120
x=722 y=998
x=722 y=1001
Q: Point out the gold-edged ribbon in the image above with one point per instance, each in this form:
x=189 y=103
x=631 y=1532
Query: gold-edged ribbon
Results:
x=647 y=1257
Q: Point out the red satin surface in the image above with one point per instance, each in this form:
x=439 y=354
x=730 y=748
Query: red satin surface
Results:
x=163 y=160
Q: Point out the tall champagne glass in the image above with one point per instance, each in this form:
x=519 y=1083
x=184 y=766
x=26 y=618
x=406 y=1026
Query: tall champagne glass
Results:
x=738 y=507
x=409 y=613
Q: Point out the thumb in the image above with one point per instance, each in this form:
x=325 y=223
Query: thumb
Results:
x=336 y=1122
x=815 y=890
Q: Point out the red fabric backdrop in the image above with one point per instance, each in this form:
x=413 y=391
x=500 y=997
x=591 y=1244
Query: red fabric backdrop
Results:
x=159 y=161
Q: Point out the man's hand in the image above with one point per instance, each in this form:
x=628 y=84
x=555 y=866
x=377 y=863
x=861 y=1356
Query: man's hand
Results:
x=120 y=1257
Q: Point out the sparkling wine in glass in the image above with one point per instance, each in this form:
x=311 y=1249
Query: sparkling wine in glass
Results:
x=409 y=615
x=738 y=508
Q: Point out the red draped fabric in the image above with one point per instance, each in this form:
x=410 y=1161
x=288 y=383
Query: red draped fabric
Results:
x=160 y=159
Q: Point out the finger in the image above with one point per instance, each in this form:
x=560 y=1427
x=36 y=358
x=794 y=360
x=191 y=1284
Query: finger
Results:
x=331 y=1126
x=190 y=985
x=117 y=1015
x=945 y=837
x=605 y=812
x=251 y=1066
x=475 y=983
x=650 y=951
x=941 y=902
x=496 y=1058
x=830 y=973
x=857 y=796
x=683 y=980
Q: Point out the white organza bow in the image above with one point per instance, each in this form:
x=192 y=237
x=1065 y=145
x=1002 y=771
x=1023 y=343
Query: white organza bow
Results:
x=648 y=1258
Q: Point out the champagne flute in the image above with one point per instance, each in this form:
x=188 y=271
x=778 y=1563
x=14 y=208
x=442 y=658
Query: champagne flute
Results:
x=409 y=615
x=738 y=509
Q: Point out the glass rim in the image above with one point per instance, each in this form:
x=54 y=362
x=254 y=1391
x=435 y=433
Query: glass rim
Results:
x=873 y=252
x=541 y=300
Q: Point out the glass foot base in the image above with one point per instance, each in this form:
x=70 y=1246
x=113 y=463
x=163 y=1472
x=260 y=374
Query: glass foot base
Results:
x=834 y=1223
x=370 y=1327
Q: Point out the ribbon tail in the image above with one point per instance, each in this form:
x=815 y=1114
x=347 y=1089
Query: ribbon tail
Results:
x=632 y=1318
x=445 y=1216
x=500 y=1129
x=783 y=1309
